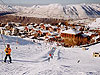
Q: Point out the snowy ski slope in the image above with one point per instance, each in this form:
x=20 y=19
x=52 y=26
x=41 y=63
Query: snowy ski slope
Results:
x=31 y=59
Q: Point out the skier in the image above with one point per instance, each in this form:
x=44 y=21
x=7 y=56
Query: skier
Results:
x=8 y=51
x=51 y=53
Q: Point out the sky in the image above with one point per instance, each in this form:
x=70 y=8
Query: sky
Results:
x=63 y=2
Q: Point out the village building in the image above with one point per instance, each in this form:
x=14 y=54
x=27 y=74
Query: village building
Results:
x=18 y=24
x=70 y=33
x=39 y=33
x=43 y=27
x=21 y=28
x=15 y=31
x=7 y=32
x=92 y=36
x=54 y=28
x=38 y=27
x=47 y=26
x=35 y=25
x=9 y=26
x=62 y=26
x=29 y=28
x=71 y=37
x=50 y=38
x=45 y=32
x=59 y=30
x=2 y=30
x=54 y=33
x=41 y=38
x=51 y=29
x=34 y=35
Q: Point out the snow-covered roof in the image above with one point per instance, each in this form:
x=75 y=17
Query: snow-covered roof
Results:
x=18 y=23
x=53 y=33
x=62 y=25
x=71 y=31
x=7 y=31
x=31 y=37
x=44 y=31
x=47 y=25
x=88 y=33
x=30 y=26
x=11 y=23
x=36 y=29
x=95 y=24
x=1 y=27
x=21 y=28
x=41 y=38
x=34 y=32
x=6 y=25
x=63 y=29
x=56 y=33
x=50 y=37
x=54 y=27
x=59 y=23
x=41 y=23
x=84 y=35
x=35 y=24
x=78 y=27
x=96 y=37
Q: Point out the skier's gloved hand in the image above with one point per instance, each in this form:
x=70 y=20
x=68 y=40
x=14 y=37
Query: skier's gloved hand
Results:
x=6 y=51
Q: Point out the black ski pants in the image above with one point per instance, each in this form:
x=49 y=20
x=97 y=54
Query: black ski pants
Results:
x=6 y=58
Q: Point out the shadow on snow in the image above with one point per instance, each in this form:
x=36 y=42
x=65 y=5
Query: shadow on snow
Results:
x=9 y=39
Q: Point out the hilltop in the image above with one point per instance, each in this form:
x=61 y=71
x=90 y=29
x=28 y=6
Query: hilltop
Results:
x=58 y=11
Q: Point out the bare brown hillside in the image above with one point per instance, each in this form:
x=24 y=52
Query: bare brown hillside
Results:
x=25 y=20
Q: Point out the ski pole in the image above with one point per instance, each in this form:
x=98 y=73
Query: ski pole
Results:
x=2 y=56
x=4 y=46
x=3 y=41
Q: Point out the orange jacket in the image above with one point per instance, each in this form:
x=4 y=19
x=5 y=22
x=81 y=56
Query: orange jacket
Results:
x=8 y=51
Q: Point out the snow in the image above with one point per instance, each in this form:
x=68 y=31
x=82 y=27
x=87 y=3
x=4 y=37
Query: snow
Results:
x=31 y=59
x=47 y=25
x=45 y=31
x=58 y=11
x=95 y=24
x=54 y=27
x=30 y=26
x=21 y=28
x=7 y=31
x=53 y=33
x=36 y=29
x=42 y=38
x=96 y=37
x=1 y=28
x=89 y=33
x=71 y=31
x=50 y=36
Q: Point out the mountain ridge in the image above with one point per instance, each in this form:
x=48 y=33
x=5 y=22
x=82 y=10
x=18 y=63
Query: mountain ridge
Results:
x=58 y=11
